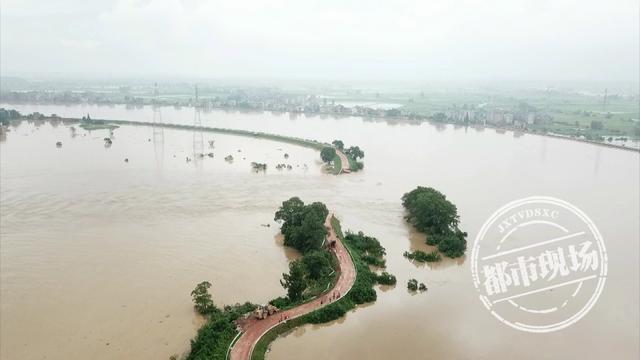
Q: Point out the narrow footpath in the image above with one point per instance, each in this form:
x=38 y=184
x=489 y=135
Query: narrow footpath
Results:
x=346 y=168
x=254 y=329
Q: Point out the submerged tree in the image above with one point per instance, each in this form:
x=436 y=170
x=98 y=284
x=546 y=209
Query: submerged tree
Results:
x=430 y=212
x=202 y=299
x=303 y=226
x=327 y=154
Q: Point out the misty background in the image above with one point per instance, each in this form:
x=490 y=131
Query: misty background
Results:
x=459 y=40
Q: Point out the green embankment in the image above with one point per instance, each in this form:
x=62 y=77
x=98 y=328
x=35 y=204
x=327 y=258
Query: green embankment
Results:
x=337 y=165
x=255 y=134
x=361 y=292
x=214 y=338
x=92 y=126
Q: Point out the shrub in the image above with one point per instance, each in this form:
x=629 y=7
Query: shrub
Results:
x=281 y=302
x=453 y=244
x=213 y=339
x=386 y=279
x=422 y=256
x=366 y=245
x=412 y=285
x=374 y=261
x=331 y=312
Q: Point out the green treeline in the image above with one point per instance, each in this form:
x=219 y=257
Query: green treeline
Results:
x=429 y=211
x=303 y=225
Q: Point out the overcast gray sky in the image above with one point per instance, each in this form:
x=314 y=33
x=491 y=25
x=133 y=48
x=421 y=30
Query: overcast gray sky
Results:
x=582 y=40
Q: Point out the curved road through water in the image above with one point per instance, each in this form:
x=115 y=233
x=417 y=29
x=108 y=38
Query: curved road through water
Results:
x=254 y=329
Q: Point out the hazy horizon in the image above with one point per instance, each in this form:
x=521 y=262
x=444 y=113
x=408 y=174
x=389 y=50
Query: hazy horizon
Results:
x=407 y=41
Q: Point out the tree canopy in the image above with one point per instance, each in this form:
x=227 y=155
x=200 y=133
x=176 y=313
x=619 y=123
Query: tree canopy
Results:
x=355 y=152
x=303 y=225
x=317 y=263
x=294 y=281
x=327 y=154
x=202 y=299
x=338 y=144
x=429 y=211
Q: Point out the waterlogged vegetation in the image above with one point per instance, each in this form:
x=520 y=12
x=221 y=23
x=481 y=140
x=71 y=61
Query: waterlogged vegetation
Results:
x=302 y=224
x=216 y=335
x=421 y=256
x=203 y=303
x=429 y=211
x=413 y=286
x=258 y=166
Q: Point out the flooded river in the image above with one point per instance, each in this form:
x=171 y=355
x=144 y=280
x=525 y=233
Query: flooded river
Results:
x=99 y=255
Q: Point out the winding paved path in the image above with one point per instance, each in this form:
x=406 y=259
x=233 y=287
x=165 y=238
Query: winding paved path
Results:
x=346 y=168
x=254 y=329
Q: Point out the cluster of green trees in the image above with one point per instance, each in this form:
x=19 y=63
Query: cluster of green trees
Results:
x=429 y=211
x=328 y=154
x=412 y=285
x=303 y=225
x=368 y=247
x=353 y=152
x=304 y=229
x=308 y=276
x=452 y=243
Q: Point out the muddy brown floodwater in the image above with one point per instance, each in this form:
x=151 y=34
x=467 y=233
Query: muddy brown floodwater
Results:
x=99 y=255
